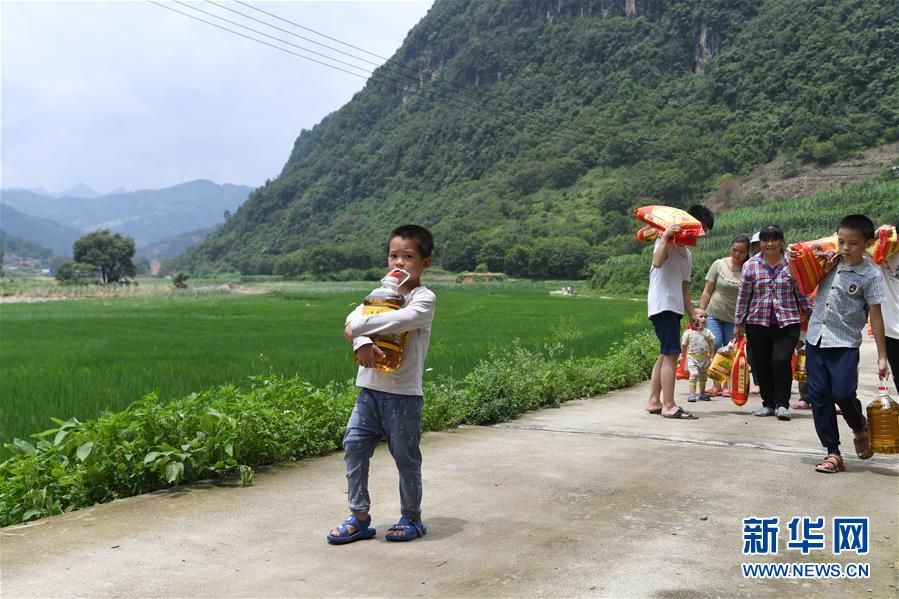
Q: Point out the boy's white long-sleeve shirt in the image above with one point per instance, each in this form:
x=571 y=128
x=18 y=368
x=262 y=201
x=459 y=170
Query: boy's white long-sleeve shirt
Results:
x=414 y=317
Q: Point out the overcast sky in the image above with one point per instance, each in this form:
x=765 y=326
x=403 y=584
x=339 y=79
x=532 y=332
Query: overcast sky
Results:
x=131 y=94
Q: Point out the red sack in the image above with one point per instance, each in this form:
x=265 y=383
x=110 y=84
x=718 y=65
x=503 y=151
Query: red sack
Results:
x=885 y=245
x=650 y=233
x=682 y=373
x=817 y=258
x=814 y=261
x=739 y=375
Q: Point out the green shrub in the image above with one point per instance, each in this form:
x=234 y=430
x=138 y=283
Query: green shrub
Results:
x=76 y=273
x=227 y=430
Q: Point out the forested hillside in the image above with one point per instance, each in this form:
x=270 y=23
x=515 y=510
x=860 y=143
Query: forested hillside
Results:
x=523 y=132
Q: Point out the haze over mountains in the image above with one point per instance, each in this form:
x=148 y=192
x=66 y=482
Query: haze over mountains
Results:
x=150 y=216
x=79 y=190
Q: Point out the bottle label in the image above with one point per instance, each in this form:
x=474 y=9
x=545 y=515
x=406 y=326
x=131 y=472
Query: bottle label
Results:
x=369 y=310
x=385 y=344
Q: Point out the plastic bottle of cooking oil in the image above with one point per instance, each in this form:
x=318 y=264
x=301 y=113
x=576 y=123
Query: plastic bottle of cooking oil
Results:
x=386 y=298
x=883 y=422
x=799 y=373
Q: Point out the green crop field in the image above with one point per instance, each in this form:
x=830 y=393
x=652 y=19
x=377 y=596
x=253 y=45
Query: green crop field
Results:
x=76 y=358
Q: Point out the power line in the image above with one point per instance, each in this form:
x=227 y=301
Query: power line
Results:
x=333 y=39
x=368 y=75
x=511 y=107
x=192 y=7
x=246 y=16
x=253 y=39
x=374 y=76
x=404 y=71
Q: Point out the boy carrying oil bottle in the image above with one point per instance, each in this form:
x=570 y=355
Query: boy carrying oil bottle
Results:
x=846 y=295
x=390 y=399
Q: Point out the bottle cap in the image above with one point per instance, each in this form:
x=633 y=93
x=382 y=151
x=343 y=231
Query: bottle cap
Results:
x=396 y=277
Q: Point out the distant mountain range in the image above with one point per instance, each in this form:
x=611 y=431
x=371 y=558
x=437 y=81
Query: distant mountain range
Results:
x=150 y=216
x=78 y=191
x=41 y=231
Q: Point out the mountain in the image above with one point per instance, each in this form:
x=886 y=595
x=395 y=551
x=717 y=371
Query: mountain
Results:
x=41 y=231
x=21 y=248
x=173 y=246
x=523 y=133
x=79 y=191
x=149 y=215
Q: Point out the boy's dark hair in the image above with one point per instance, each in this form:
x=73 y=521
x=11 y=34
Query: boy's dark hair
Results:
x=771 y=231
x=420 y=235
x=703 y=215
x=860 y=223
x=741 y=239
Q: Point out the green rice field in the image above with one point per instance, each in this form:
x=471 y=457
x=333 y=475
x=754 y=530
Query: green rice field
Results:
x=76 y=358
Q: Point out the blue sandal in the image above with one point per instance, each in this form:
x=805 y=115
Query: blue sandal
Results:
x=363 y=531
x=412 y=529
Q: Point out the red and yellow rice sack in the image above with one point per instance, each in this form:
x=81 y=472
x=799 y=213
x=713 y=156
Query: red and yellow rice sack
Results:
x=659 y=218
x=817 y=258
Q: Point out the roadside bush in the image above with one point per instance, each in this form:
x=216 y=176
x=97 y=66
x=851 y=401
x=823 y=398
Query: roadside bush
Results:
x=180 y=280
x=226 y=430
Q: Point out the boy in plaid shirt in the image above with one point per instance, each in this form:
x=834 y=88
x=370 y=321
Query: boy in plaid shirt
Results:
x=846 y=295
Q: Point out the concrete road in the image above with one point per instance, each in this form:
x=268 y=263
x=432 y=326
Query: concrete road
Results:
x=596 y=498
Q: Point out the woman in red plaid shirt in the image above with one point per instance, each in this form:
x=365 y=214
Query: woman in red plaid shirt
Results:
x=769 y=311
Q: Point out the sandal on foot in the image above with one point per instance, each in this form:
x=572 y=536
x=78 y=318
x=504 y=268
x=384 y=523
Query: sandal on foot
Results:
x=704 y=397
x=713 y=392
x=832 y=464
x=863 y=444
x=411 y=529
x=681 y=414
x=726 y=393
x=692 y=398
x=363 y=531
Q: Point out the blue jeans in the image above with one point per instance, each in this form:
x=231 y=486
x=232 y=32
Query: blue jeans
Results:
x=721 y=330
x=397 y=418
x=833 y=381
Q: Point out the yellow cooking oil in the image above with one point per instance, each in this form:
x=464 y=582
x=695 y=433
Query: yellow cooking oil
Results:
x=883 y=422
x=387 y=298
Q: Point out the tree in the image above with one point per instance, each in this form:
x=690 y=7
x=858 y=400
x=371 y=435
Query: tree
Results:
x=110 y=253
x=75 y=273
x=563 y=257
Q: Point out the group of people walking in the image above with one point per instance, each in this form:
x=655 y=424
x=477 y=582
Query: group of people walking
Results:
x=751 y=293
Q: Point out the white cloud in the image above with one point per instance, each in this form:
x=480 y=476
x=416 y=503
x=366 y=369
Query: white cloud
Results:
x=128 y=93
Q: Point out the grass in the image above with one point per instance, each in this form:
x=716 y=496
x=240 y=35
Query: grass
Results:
x=77 y=358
